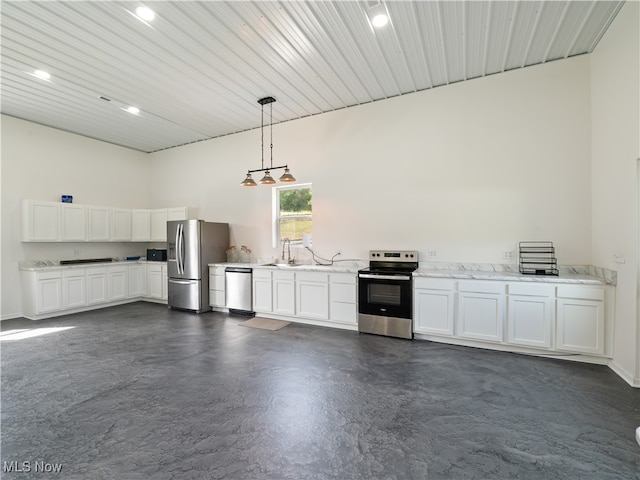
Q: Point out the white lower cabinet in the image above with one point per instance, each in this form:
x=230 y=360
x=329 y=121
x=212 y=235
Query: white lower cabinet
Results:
x=74 y=288
x=481 y=310
x=262 y=292
x=137 y=280
x=530 y=315
x=217 y=287
x=97 y=285
x=580 y=319
x=157 y=281
x=343 y=297
x=117 y=283
x=48 y=292
x=284 y=293
x=312 y=295
x=434 y=306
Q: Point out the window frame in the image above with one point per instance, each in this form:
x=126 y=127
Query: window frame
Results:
x=275 y=212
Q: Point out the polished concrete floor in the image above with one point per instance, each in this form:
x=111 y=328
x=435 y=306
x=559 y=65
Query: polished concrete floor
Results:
x=142 y=392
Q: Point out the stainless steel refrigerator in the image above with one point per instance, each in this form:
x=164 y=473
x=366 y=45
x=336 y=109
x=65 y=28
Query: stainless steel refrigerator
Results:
x=191 y=246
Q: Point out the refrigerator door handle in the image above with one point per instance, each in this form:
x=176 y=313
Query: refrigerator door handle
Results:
x=180 y=249
x=181 y=282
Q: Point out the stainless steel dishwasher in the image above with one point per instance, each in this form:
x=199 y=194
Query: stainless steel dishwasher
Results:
x=238 y=290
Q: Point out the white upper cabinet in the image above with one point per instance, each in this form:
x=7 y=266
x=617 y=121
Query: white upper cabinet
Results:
x=98 y=219
x=141 y=225
x=73 y=222
x=120 y=225
x=159 y=225
x=40 y=221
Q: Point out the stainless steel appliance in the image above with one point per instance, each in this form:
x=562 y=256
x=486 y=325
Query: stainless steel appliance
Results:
x=191 y=246
x=385 y=293
x=238 y=290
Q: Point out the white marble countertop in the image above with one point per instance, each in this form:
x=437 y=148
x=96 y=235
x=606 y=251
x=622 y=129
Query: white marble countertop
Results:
x=37 y=265
x=576 y=278
x=352 y=267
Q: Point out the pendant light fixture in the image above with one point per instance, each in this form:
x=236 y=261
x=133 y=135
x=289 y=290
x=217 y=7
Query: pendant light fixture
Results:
x=267 y=179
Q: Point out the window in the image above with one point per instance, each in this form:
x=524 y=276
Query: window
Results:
x=292 y=213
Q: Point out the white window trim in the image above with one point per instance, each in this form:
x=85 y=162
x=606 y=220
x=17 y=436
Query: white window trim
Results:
x=275 y=210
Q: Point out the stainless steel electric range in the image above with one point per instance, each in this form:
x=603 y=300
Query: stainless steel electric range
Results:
x=385 y=293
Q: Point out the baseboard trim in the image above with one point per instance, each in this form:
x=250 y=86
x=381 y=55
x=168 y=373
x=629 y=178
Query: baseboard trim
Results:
x=622 y=373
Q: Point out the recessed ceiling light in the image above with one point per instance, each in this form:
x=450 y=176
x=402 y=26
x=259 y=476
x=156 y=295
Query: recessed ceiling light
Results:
x=380 y=20
x=41 y=74
x=145 y=13
x=133 y=110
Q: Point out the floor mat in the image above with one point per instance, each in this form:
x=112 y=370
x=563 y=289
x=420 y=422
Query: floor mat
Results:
x=265 y=323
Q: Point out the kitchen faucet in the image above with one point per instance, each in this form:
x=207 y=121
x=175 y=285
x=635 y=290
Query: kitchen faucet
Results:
x=287 y=242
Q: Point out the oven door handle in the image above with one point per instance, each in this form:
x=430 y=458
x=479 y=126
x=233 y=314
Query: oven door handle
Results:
x=384 y=277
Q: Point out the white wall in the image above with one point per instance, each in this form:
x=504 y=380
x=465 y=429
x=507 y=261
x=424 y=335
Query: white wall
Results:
x=615 y=99
x=43 y=163
x=467 y=170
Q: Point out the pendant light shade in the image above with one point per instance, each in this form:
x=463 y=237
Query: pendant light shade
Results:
x=267 y=179
x=286 y=176
x=249 y=182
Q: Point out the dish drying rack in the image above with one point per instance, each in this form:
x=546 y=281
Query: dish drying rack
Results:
x=538 y=258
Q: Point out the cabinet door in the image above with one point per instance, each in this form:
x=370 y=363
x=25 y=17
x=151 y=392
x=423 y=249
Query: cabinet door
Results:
x=480 y=316
x=165 y=283
x=73 y=223
x=433 y=311
x=98 y=224
x=40 y=221
x=159 y=225
x=97 y=290
x=312 y=299
x=580 y=326
x=155 y=277
x=141 y=225
x=120 y=225
x=117 y=283
x=74 y=288
x=48 y=292
x=262 y=298
x=529 y=320
x=284 y=293
x=178 y=213
x=342 y=305
x=137 y=281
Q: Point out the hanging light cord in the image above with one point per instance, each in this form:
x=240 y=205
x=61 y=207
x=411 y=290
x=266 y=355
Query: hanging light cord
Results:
x=262 y=137
x=271 y=130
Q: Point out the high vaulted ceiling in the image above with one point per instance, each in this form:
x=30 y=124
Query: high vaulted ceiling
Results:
x=198 y=69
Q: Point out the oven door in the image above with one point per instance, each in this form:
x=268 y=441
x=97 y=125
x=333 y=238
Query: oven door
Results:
x=385 y=295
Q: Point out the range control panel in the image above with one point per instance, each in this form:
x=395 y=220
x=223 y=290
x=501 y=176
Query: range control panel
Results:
x=393 y=256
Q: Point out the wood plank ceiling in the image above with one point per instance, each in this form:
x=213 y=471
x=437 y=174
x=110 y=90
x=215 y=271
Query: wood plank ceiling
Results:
x=197 y=70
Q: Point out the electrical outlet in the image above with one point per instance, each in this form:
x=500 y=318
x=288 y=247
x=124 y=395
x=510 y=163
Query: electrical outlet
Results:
x=432 y=253
x=508 y=255
x=619 y=257
x=76 y=253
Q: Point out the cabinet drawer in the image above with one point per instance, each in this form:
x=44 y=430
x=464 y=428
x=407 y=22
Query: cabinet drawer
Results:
x=349 y=278
x=531 y=289
x=481 y=286
x=49 y=275
x=341 y=292
x=262 y=273
x=312 y=277
x=216 y=270
x=74 y=272
x=216 y=282
x=280 y=275
x=434 y=283
x=580 y=291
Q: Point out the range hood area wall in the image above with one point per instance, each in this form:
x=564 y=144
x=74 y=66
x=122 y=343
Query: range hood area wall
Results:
x=465 y=170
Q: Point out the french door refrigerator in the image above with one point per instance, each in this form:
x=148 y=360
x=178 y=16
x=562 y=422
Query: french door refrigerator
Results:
x=191 y=246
